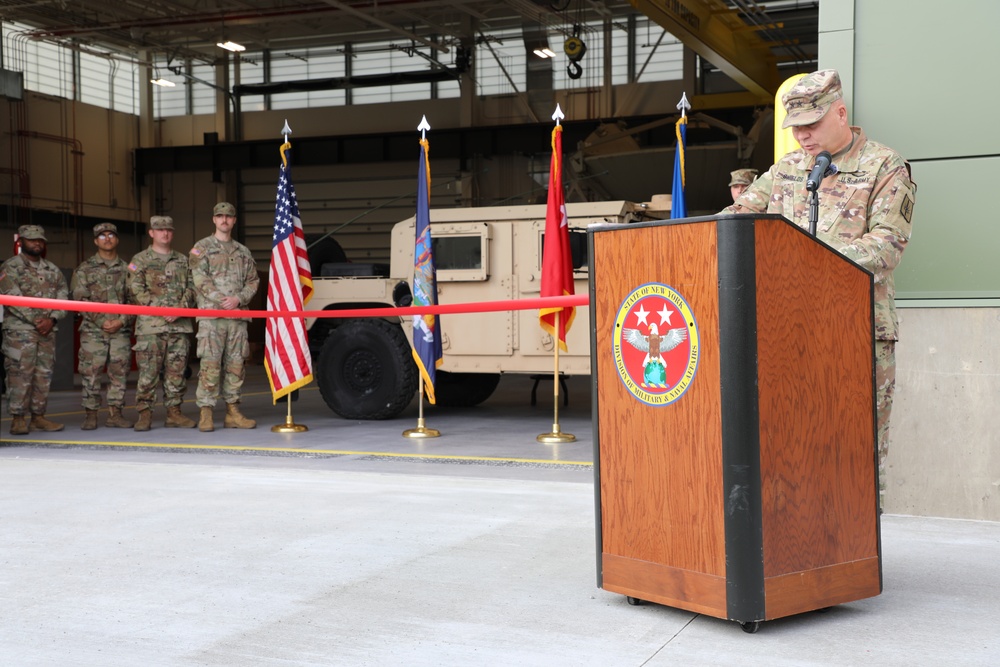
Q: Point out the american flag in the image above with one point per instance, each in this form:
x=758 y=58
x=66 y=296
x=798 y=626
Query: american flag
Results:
x=289 y=287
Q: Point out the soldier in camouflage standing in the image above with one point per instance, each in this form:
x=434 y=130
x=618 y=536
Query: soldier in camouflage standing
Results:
x=740 y=180
x=159 y=276
x=105 y=339
x=225 y=278
x=865 y=208
x=29 y=334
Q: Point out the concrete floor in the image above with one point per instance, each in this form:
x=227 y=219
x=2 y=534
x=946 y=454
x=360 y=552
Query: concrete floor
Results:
x=350 y=545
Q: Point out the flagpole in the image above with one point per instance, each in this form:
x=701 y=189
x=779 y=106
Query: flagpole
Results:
x=289 y=426
x=556 y=435
x=421 y=431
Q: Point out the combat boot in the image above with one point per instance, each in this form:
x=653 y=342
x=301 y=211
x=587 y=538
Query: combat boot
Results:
x=176 y=419
x=234 y=419
x=90 y=421
x=145 y=420
x=18 y=425
x=116 y=419
x=40 y=423
x=205 y=422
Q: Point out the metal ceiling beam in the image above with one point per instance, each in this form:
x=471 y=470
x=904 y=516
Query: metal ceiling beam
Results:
x=269 y=15
x=715 y=32
x=459 y=144
x=347 y=9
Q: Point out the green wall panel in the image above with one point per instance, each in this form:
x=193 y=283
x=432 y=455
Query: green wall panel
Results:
x=922 y=78
x=925 y=75
x=955 y=248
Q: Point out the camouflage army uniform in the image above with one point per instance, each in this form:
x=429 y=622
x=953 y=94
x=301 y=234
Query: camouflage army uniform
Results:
x=742 y=177
x=864 y=212
x=101 y=281
x=29 y=357
x=219 y=270
x=157 y=280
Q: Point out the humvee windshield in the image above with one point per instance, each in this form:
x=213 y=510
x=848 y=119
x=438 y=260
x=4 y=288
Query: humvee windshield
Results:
x=457 y=252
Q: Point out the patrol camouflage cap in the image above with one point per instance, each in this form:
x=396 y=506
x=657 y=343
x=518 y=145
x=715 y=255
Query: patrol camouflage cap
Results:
x=105 y=227
x=29 y=232
x=224 y=208
x=742 y=177
x=161 y=222
x=811 y=97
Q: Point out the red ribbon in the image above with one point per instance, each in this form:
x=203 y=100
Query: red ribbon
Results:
x=441 y=309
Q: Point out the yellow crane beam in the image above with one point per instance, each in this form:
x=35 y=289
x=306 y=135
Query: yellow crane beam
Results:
x=715 y=32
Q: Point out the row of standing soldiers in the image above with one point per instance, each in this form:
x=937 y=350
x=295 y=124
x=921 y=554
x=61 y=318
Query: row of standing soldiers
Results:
x=218 y=274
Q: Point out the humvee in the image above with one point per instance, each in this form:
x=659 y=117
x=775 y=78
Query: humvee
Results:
x=364 y=366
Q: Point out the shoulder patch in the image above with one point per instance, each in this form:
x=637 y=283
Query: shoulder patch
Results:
x=133 y=267
x=906 y=207
x=196 y=251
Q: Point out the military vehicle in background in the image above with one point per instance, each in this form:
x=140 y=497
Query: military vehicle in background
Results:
x=364 y=366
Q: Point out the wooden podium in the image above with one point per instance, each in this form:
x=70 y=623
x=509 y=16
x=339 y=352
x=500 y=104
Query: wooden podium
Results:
x=744 y=485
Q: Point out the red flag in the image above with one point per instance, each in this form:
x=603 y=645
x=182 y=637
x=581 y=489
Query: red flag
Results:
x=557 y=260
x=289 y=287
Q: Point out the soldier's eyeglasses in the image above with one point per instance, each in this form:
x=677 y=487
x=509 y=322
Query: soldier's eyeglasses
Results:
x=107 y=235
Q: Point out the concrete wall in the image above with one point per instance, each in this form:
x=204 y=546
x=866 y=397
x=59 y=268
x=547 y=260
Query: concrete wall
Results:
x=944 y=456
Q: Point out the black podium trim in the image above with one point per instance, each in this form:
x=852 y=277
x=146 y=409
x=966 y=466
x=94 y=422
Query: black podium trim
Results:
x=740 y=420
x=595 y=414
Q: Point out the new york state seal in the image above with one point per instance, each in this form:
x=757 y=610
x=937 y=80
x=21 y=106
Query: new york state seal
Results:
x=656 y=344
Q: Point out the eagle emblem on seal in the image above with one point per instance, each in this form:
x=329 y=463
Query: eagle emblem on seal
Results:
x=654 y=368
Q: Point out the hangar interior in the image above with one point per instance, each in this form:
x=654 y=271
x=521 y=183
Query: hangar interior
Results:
x=353 y=80
x=89 y=137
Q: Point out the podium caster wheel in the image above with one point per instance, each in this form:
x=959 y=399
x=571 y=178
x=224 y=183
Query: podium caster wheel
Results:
x=750 y=627
x=635 y=602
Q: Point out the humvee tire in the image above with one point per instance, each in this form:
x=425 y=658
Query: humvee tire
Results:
x=366 y=370
x=464 y=390
x=325 y=250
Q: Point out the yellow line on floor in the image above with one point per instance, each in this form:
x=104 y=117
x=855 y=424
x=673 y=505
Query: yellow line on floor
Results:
x=292 y=450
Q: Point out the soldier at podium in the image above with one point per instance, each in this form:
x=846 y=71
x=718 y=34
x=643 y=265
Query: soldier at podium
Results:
x=865 y=207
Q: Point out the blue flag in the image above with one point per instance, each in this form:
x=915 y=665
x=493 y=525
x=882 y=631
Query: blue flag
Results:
x=678 y=207
x=426 y=328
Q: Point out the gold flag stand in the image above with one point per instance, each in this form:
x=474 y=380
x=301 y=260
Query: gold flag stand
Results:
x=289 y=426
x=421 y=431
x=556 y=436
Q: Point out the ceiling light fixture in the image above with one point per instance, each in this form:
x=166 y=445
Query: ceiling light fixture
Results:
x=160 y=81
x=230 y=45
x=537 y=43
